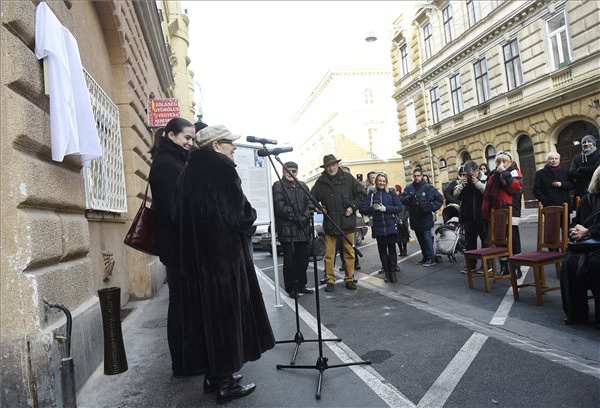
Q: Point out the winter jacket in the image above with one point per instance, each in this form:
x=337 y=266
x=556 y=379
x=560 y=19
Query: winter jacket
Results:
x=581 y=170
x=470 y=197
x=167 y=165
x=548 y=195
x=503 y=190
x=292 y=218
x=449 y=192
x=336 y=194
x=418 y=197
x=384 y=222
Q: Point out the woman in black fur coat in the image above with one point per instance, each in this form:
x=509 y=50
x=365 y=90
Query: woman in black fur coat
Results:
x=224 y=302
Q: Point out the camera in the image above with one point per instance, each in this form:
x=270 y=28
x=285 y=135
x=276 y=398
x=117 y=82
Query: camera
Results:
x=359 y=177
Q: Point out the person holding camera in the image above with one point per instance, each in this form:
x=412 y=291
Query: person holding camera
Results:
x=469 y=192
x=422 y=199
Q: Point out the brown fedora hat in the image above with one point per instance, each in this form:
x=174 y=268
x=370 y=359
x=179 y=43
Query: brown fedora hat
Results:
x=328 y=159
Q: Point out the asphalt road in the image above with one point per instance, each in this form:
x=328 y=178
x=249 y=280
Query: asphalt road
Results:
x=439 y=343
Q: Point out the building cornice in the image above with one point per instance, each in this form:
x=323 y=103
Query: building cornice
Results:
x=147 y=13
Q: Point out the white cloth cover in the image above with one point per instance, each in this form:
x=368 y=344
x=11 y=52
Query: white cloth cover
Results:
x=72 y=123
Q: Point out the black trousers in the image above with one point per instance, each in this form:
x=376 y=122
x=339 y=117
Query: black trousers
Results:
x=474 y=230
x=386 y=246
x=294 y=265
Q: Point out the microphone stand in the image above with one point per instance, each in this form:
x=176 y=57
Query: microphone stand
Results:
x=298 y=337
x=321 y=364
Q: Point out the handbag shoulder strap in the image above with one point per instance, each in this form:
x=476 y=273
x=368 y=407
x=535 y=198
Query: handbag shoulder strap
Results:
x=146 y=193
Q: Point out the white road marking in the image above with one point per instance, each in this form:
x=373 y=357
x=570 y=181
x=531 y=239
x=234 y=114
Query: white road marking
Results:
x=503 y=310
x=443 y=387
x=380 y=386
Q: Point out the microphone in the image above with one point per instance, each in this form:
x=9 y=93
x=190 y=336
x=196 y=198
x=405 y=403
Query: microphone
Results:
x=275 y=152
x=254 y=139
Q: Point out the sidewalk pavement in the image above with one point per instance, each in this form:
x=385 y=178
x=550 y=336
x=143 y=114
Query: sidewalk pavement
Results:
x=149 y=382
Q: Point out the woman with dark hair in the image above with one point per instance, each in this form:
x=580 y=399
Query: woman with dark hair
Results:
x=225 y=306
x=484 y=172
x=581 y=265
x=169 y=154
x=382 y=205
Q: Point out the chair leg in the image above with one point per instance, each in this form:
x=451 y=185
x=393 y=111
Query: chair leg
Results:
x=513 y=281
x=538 y=272
x=486 y=276
x=469 y=273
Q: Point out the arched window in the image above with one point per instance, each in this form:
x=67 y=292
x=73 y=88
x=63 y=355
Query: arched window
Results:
x=464 y=157
x=490 y=156
x=368 y=96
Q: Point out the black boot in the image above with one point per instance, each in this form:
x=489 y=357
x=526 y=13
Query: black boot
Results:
x=504 y=268
x=211 y=384
x=230 y=390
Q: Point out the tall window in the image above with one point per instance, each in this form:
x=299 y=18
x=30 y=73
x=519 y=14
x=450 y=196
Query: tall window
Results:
x=490 y=157
x=368 y=96
x=436 y=109
x=372 y=132
x=512 y=63
x=411 y=117
x=427 y=40
x=558 y=40
x=456 y=92
x=404 y=59
x=482 y=81
x=447 y=17
x=473 y=12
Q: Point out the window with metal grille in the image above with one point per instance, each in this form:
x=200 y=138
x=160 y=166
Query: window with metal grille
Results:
x=473 y=12
x=447 y=17
x=105 y=178
x=558 y=40
x=427 y=40
x=482 y=82
x=456 y=92
x=490 y=156
x=436 y=109
x=512 y=64
x=404 y=59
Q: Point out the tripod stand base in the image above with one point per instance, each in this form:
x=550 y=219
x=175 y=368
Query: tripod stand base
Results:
x=322 y=365
x=299 y=339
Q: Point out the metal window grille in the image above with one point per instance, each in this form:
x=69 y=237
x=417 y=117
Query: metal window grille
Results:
x=105 y=178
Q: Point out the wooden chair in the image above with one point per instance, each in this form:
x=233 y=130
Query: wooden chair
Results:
x=500 y=246
x=552 y=235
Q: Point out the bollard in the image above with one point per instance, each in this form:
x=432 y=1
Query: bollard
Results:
x=115 y=360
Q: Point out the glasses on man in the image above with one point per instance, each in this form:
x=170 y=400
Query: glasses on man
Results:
x=224 y=141
x=293 y=171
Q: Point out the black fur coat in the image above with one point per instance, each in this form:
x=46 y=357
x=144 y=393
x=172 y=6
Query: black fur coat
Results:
x=227 y=319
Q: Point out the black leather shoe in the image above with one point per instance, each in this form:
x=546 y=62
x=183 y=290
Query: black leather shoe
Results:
x=305 y=290
x=230 y=390
x=293 y=294
x=212 y=384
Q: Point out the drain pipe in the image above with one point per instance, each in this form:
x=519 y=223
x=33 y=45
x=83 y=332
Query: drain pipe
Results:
x=67 y=367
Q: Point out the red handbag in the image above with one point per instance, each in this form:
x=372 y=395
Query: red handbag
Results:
x=142 y=233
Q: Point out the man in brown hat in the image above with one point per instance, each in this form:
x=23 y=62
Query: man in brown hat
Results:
x=340 y=194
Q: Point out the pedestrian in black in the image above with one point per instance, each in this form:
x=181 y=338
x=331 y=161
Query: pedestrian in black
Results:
x=450 y=199
x=551 y=185
x=169 y=156
x=292 y=218
x=583 y=166
x=224 y=309
x=469 y=192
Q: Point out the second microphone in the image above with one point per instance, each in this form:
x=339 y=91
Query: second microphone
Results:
x=274 y=152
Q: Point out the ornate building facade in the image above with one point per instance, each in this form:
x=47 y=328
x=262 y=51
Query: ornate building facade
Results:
x=473 y=78
x=349 y=114
x=63 y=225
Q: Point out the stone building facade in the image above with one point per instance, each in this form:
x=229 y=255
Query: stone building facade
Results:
x=473 y=78
x=349 y=114
x=63 y=226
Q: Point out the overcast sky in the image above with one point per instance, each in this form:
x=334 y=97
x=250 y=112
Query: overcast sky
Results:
x=257 y=61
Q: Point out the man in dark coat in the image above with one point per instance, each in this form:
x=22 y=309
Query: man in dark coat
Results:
x=228 y=320
x=292 y=215
x=551 y=185
x=422 y=200
x=583 y=166
x=469 y=192
x=341 y=195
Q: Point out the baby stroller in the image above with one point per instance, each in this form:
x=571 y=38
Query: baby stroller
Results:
x=449 y=238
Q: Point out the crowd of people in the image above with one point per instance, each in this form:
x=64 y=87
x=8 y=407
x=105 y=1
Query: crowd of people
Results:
x=217 y=320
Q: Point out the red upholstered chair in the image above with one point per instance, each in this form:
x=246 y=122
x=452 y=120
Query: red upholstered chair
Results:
x=500 y=246
x=552 y=235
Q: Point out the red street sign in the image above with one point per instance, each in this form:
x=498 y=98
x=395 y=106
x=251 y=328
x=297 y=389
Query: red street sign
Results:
x=161 y=111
